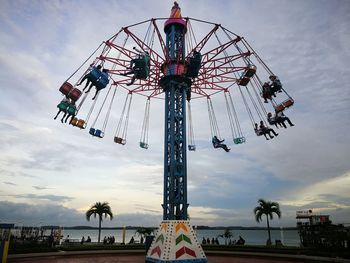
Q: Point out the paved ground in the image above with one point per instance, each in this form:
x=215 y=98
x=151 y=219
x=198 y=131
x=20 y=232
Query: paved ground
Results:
x=138 y=256
x=137 y=259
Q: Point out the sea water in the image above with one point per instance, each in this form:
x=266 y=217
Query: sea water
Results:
x=252 y=237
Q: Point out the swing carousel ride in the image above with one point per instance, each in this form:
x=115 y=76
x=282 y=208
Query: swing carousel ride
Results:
x=196 y=59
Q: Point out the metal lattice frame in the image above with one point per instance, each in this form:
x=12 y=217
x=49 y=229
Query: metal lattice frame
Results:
x=175 y=161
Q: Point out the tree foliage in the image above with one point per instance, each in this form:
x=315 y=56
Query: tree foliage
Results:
x=267 y=208
x=100 y=209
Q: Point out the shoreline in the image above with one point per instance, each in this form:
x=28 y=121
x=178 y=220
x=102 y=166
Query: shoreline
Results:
x=156 y=227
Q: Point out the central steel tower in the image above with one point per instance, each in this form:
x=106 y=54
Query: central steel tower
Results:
x=175 y=240
x=175 y=85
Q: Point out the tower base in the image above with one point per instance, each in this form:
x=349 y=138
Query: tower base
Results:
x=175 y=242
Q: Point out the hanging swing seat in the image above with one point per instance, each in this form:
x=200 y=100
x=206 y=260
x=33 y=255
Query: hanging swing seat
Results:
x=192 y=71
x=249 y=72
x=72 y=110
x=243 y=81
x=74 y=94
x=288 y=103
x=285 y=104
x=96 y=133
x=194 y=64
x=74 y=121
x=78 y=123
x=144 y=145
x=272 y=120
x=81 y=124
x=66 y=88
x=239 y=140
x=191 y=147
x=141 y=73
x=119 y=140
x=103 y=81
x=259 y=132
x=63 y=106
x=141 y=67
x=279 y=108
x=94 y=75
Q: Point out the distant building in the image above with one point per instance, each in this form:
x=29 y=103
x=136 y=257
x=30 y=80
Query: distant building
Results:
x=316 y=230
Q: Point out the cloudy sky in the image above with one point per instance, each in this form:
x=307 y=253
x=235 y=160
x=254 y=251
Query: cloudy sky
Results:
x=51 y=173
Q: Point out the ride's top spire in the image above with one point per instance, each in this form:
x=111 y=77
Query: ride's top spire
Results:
x=175 y=11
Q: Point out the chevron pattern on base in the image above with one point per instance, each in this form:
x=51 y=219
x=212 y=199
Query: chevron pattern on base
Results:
x=175 y=242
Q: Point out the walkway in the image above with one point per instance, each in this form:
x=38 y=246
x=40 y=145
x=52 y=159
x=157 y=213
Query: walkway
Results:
x=139 y=257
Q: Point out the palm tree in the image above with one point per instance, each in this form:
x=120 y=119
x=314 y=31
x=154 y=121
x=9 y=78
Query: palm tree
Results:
x=99 y=209
x=227 y=234
x=267 y=208
x=144 y=231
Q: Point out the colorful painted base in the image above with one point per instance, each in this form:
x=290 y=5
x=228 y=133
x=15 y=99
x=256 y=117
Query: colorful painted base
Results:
x=175 y=242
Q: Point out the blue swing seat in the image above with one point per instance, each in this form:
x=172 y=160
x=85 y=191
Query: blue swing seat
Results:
x=94 y=74
x=103 y=81
x=96 y=132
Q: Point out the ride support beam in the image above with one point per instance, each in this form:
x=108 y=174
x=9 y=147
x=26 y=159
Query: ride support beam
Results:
x=175 y=161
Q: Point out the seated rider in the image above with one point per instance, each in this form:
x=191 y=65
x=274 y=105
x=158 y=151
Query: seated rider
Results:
x=273 y=121
x=194 y=63
x=279 y=118
x=267 y=130
x=259 y=132
x=266 y=92
x=276 y=85
x=262 y=130
x=63 y=107
x=101 y=82
x=139 y=66
x=91 y=77
x=218 y=144
x=71 y=111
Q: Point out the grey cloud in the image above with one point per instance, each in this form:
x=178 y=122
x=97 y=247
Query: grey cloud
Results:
x=26 y=214
x=33 y=214
x=9 y=183
x=53 y=198
x=13 y=174
x=40 y=187
x=139 y=207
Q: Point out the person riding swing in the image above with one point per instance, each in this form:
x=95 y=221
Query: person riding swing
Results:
x=263 y=130
x=63 y=107
x=276 y=85
x=194 y=64
x=91 y=77
x=139 y=66
x=96 y=78
x=279 y=119
x=266 y=92
x=101 y=82
x=219 y=144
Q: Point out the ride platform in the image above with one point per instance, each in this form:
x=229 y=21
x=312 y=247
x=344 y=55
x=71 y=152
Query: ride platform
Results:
x=175 y=242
